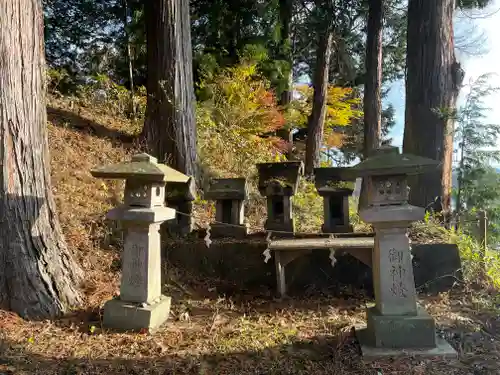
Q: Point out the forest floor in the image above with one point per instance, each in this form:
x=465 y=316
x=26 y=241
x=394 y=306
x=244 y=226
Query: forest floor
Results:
x=208 y=332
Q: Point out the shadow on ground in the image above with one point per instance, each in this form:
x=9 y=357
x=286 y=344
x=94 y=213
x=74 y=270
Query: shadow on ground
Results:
x=62 y=118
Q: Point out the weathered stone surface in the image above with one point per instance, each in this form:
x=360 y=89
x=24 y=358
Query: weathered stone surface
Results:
x=396 y=321
x=336 y=213
x=443 y=350
x=221 y=231
x=279 y=178
x=437 y=267
x=227 y=188
x=141 y=265
x=400 y=331
x=145 y=215
x=389 y=162
x=180 y=196
x=141 y=167
x=328 y=180
x=180 y=191
x=140 y=304
x=127 y=316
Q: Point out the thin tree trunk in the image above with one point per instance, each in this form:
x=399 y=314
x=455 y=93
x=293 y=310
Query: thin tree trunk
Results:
x=433 y=82
x=170 y=129
x=129 y=58
x=372 y=100
x=39 y=278
x=285 y=11
x=316 y=121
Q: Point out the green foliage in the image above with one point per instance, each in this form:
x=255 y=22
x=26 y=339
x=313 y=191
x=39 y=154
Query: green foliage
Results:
x=476 y=139
x=238 y=108
x=308 y=208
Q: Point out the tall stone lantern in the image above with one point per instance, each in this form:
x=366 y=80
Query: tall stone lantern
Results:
x=140 y=305
x=396 y=323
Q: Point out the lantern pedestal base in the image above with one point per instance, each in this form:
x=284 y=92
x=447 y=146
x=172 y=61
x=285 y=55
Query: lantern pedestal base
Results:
x=400 y=335
x=401 y=331
x=442 y=350
x=127 y=316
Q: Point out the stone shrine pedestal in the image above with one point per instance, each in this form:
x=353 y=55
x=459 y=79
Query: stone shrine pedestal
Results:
x=141 y=304
x=396 y=325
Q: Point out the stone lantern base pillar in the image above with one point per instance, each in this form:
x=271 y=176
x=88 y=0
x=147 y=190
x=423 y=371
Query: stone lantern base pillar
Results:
x=397 y=324
x=140 y=304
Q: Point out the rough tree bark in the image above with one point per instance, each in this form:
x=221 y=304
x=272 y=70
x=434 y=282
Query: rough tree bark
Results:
x=39 y=278
x=316 y=120
x=285 y=14
x=372 y=100
x=433 y=81
x=169 y=129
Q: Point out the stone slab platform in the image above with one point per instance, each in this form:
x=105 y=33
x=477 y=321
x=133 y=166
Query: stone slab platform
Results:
x=126 y=316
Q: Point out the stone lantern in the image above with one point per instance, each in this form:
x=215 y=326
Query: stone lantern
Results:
x=140 y=304
x=334 y=185
x=397 y=323
x=278 y=182
x=229 y=195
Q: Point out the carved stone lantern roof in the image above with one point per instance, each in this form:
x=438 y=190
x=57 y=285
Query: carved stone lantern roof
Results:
x=279 y=178
x=227 y=188
x=142 y=167
x=388 y=161
x=334 y=180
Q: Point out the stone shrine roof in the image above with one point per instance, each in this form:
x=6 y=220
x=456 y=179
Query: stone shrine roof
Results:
x=388 y=161
x=141 y=167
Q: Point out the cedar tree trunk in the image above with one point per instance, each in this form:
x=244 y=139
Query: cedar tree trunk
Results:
x=372 y=100
x=433 y=81
x=316 y=120
x=38 y=278
x=170 y=129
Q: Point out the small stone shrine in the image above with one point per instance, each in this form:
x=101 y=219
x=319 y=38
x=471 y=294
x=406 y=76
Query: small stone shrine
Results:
x=332 y=185
x=140 y=304
x=278 y=182
x=229 y=195
x=180 y=196
x=397 y=324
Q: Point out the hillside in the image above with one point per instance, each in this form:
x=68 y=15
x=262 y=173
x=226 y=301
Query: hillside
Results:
x=209 y=332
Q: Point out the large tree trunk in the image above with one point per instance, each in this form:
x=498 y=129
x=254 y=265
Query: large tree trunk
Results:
x=372 y=100
x=39 y=278
x=433 y=81
x=316 y=120
x=170 y=128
